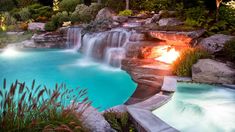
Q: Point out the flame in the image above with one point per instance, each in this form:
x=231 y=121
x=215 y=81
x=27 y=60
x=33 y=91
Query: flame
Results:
x=168 y=54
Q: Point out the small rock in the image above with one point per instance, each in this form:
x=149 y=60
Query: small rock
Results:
x=170 y=22
x=211 y=71
x=215 y=42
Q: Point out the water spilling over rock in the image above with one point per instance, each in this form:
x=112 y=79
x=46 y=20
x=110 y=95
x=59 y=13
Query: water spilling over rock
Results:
x=74 y=38
x=107 y=46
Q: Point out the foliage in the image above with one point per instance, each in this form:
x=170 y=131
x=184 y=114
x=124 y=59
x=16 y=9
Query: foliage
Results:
x=37 y=10
x=125 y=13
x=182 y=66
x=38 y=108
x=196 y=16
x=49 y=26
x=24 y=14
x=229 y=50
x=69 y=5
x=227 y=13
x=119 y=121
x=8 y=5
x=8 y=19
x=58 y=19
x=153 y=5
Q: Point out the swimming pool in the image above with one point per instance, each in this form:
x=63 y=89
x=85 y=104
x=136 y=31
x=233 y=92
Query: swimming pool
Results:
x=106 y=86
x=200 y=108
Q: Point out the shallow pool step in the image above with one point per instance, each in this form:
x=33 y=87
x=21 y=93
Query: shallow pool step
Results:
x=145 y=121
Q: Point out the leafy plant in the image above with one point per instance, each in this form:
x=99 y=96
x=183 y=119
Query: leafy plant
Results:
x=119 y=121
x=125 y=13
x=182 y=66
x=6 y=5
x=40 y=109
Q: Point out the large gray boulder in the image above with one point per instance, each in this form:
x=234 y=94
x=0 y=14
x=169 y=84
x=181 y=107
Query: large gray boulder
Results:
x=170 y=22
x=215 y=42
x=105 y=13
x=211 y=71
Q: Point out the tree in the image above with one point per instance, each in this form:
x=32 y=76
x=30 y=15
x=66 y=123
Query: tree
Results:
x=99 y=1
x=218 y=2
x=127 y=4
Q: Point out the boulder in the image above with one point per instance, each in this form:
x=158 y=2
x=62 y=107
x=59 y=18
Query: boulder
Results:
x=105 y=13
x=170 y=22
x=36 y=26
x=154 y=19
x=211 y=71
x=215 y=42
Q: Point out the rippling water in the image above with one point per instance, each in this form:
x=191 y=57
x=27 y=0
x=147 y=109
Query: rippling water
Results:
x=200 y=108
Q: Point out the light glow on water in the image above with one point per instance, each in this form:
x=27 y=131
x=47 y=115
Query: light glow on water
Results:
x=10 y=52
x=200 y=108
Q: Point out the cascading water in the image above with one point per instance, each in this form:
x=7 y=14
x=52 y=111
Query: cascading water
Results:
x=74 y=38
x=108 y=46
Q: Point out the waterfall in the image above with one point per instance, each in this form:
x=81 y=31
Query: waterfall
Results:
x=107 y=46
x=74 y=38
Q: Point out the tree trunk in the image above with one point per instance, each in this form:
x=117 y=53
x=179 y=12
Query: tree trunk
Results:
x=127 y=4
x=218 y=2
x=87 y=2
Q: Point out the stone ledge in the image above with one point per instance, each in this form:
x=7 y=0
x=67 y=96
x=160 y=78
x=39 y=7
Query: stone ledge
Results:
x=146 y=121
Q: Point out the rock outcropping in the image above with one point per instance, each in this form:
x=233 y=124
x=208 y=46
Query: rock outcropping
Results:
x=211 y=71
x=215 y=43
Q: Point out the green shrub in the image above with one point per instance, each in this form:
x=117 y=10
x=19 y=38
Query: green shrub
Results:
x=125 y=13
x=155 y=5
x=182 y=66
x=37 y=108
x=69 y=5
x=229 y=50
x=58 y=19
x=49 y=26
x=119 y=121
x=39 y=10
x=24 y=14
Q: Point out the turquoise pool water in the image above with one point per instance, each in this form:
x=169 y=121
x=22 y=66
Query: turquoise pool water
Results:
x=106 y=87
x=200 y=108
